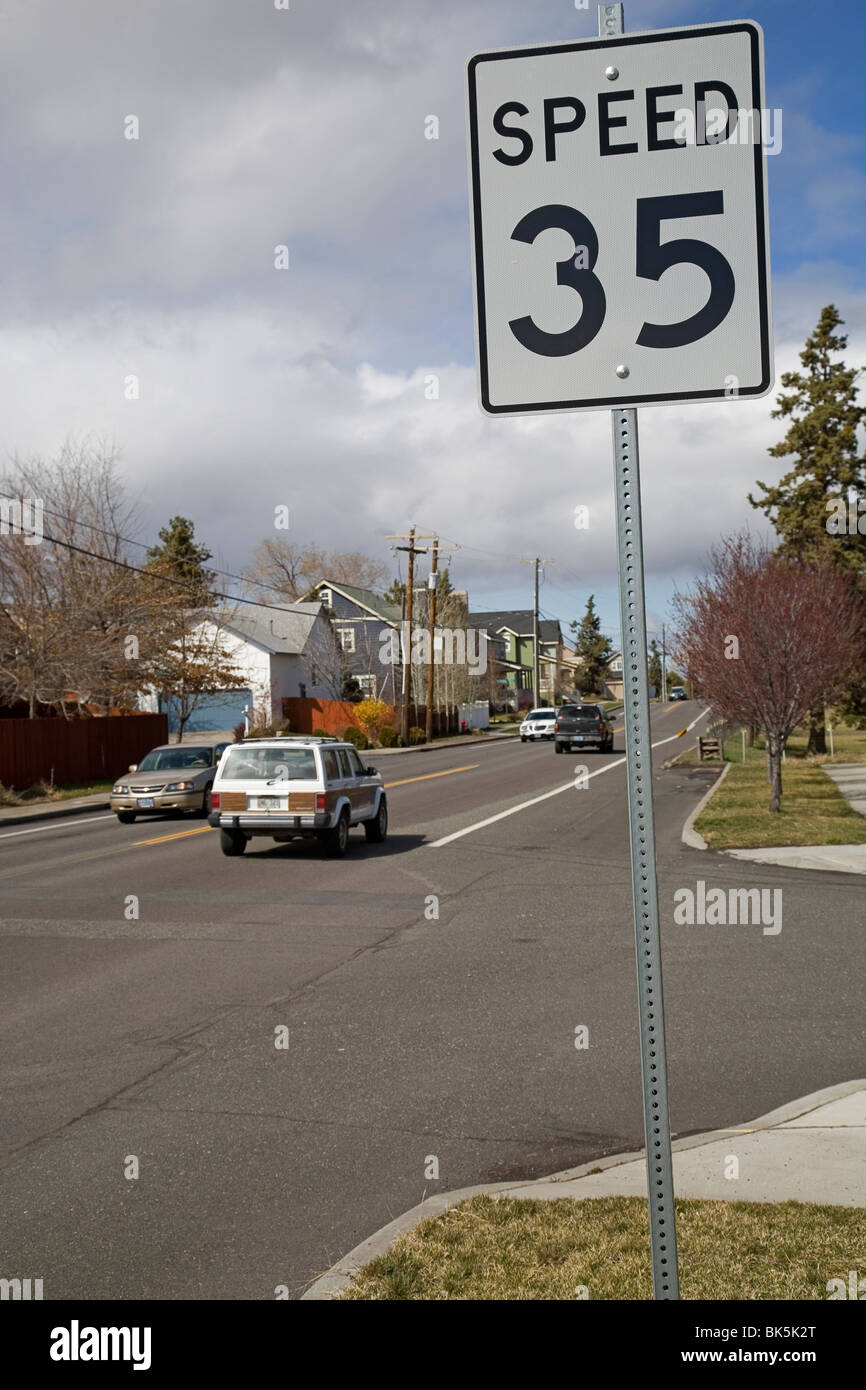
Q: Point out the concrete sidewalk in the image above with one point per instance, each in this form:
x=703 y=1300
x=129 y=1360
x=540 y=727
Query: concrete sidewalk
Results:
x=811 y=1150
x=48 y=810
x=839 y=859
x=850 y=778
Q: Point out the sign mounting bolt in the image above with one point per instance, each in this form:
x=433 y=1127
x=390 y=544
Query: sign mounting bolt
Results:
x=611 y=74
x=622 y=370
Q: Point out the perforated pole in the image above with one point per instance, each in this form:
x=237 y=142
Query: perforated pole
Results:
x=641 y=827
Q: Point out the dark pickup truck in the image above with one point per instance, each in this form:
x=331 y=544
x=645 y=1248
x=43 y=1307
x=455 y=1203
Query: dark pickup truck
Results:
x=582 y=726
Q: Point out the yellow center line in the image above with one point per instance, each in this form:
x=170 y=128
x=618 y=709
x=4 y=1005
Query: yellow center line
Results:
x=427 y=775
x=181 y=834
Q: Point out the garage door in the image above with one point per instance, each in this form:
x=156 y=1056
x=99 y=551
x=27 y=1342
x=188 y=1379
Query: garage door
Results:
x=213 y=713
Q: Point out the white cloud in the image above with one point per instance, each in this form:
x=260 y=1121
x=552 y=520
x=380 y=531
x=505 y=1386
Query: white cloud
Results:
x=306 y=386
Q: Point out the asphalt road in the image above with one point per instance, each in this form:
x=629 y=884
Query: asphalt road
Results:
x=144 y=977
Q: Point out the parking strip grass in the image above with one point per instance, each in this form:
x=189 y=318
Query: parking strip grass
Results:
x=498 y=1247
x=814 y=811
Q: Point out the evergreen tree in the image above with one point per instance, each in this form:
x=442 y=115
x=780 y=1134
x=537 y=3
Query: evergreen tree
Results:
x=809 y=506
x=395 y=594
x=179 y=556
x=655 y=667
x=593 y=649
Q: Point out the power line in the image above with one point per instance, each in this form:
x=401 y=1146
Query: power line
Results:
x=153 y=574
x=142 y=545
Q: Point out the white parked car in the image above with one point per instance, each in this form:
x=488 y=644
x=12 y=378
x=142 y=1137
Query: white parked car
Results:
x=538 y=724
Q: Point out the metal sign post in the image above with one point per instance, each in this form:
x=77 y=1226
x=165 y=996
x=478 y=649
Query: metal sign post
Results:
x=641 y=830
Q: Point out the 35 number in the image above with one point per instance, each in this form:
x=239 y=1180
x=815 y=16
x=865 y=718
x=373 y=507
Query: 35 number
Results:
x=653 y=258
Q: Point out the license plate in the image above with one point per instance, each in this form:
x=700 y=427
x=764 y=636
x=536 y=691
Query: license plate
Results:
x=268 y=803
x=145 y=803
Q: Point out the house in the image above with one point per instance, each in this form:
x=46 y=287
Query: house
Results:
x=361 y=620
x=280 y=651
x=558 y=665
x=614 y=686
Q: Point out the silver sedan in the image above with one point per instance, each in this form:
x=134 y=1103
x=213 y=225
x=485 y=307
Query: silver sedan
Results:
x=175 y=777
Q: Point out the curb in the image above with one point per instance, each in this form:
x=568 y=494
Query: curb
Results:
x=798 y=857
x=55 y=813
x=460 y=741
x=342 y=1274
x=691 y=837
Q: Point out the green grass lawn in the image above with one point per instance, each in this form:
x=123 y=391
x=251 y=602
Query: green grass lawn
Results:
x=814 y=812
x=500 y=1247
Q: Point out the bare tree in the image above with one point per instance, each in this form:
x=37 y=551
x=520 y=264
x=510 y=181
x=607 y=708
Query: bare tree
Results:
x=192 y=666
x=766 y=636
x=326 y=659
x=292 y=570
x=69 y=599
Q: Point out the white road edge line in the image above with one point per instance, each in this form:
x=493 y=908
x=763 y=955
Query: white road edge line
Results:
x=545 y=796
x=52 y=825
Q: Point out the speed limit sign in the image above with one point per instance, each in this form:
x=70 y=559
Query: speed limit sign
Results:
x=620 y=220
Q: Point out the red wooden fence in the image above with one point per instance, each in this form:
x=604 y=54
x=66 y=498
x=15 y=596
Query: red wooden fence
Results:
x=75 y=750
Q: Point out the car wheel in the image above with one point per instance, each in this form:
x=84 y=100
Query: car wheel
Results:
x=377 y=828
x=558 y=747
x=522 y=738
x=337 y=840
x=126 y=817
x=205 y=803
x=232 y=842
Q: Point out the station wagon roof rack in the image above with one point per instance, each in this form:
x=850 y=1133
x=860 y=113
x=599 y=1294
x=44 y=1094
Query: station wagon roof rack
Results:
x=293 y=738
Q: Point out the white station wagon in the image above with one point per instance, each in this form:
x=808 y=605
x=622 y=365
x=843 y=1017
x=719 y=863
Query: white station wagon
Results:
x=294 y=786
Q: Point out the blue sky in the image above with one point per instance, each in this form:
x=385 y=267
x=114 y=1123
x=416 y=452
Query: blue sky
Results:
x=306 y=388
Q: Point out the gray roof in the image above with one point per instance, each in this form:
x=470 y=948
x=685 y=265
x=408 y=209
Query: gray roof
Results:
x=281 y=631
x=388 y=612
x=519 y=621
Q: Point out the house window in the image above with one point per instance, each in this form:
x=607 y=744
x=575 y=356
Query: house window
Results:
x=326 y=597
x=616 y=665
x=347 y=638
x=368 y=685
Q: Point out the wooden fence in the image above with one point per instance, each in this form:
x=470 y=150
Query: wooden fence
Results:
x=75 y=750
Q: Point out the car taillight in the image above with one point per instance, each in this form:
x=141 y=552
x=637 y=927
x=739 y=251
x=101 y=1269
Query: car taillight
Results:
x=555 y=725
x=214 y=801
x=321 y=801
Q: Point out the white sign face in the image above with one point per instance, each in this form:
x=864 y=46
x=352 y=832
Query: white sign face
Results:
x=620 y=221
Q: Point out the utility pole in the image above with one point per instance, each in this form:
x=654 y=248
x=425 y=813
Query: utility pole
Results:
x=664 y=692
x=432 y=590
x=432 y=582
x=406 y=635
x=536 y=654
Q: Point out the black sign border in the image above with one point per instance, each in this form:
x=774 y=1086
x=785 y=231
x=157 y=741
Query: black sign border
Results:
x=621 y=402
